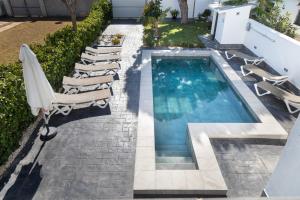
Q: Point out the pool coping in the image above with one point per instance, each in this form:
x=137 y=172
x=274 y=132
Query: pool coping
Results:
x=207 y=179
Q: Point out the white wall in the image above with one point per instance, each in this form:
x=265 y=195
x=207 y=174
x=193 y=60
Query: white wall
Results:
x=285 y=180
x=128 y=8
x=292 y=7
x=280 y=51
x=200 y=6
x=233 y=25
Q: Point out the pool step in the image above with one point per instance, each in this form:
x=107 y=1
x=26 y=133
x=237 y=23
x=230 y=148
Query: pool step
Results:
x=175 y=166
x=177 y=157
x=172 y=150
x=172 y=154
x=176 y=147
x=173 y=159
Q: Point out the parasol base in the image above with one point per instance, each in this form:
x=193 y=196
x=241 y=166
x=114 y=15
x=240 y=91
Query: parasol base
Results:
x=47 y=133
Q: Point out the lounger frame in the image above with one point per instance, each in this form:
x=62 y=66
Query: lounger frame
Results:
x=87 y=61
x=256 y=61
x=91 y=73
x=247 y=72
x=65 y=109
x=74 y=89
x=292 y=107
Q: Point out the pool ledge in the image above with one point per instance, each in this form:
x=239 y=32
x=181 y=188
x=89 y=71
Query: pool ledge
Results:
x=207 y=179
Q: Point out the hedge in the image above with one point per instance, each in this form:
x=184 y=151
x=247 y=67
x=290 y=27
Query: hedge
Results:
x=57 y=56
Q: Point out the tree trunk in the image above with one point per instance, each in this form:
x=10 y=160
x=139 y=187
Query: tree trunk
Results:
x=74 y=21
x=184 y=11
x=71 y=6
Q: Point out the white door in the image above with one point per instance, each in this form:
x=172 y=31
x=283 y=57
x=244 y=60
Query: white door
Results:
x=128 y=8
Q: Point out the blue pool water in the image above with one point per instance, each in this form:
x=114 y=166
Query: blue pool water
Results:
x=187 y=90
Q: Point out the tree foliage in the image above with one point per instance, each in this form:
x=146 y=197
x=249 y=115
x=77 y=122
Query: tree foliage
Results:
x=153 y=14
x=269 y=13
x=235 y=2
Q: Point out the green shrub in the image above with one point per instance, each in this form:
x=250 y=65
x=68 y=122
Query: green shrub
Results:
x=235 y=2
x=57 y=57
x=269 y=14
x=174 y=13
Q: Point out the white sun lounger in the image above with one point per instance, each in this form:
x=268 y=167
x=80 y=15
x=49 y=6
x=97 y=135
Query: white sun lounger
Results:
x=92 y=59
x=98 y=69
x=75 y=85
x=65 y=103
x=247 y=58
x=266 y=76
x=103 y=50
x=290 y=100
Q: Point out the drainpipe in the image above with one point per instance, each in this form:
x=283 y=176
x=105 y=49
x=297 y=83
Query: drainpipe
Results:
x=27 y=9
x=215 y=26
x=194 y=9
x=43 y=8
x=8 y=8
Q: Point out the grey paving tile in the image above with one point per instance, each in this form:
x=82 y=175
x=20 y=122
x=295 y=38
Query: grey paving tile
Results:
x=92 y=156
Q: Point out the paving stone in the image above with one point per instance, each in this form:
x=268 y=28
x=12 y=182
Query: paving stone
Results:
x=92 y=156
x=246 y=170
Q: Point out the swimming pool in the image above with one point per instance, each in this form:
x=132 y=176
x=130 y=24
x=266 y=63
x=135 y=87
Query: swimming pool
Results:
x=189 y=90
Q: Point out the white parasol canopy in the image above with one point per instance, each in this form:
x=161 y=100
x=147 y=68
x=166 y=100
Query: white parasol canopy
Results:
x=38 y=90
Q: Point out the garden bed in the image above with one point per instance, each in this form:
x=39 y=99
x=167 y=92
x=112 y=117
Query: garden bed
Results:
x=107 y=40
x=174 y=34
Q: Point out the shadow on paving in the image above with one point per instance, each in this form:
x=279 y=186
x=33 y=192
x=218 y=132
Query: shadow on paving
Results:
x=58 y=120
x=132 y=83
x=27 y=182
x=29 y=177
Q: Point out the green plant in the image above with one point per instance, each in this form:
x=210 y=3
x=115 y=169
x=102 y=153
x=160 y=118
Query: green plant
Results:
x=269 y=14
x=115 y=41
x=174 y=13
x=153 y=14
x=235 y=2
x=57 y=56
x=203 y=16
x=206 y=13
x=118 y=35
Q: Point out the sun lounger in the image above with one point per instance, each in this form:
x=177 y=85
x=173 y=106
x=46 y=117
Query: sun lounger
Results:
x=91 y=59
x=65 y=103
x=75 y=85
x=266 y=76
x=247 y=58
x=98 y=69
x=103 y=50
x=290 y=100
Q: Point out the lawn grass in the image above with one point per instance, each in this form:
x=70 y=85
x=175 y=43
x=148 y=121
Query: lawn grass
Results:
x=28 y=32
x=174 y=34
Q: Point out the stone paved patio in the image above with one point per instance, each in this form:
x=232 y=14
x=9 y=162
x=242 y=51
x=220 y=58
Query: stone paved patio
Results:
x=93 y=154
x=92 y=157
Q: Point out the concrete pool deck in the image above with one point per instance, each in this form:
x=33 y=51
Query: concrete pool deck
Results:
x=209 y=179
